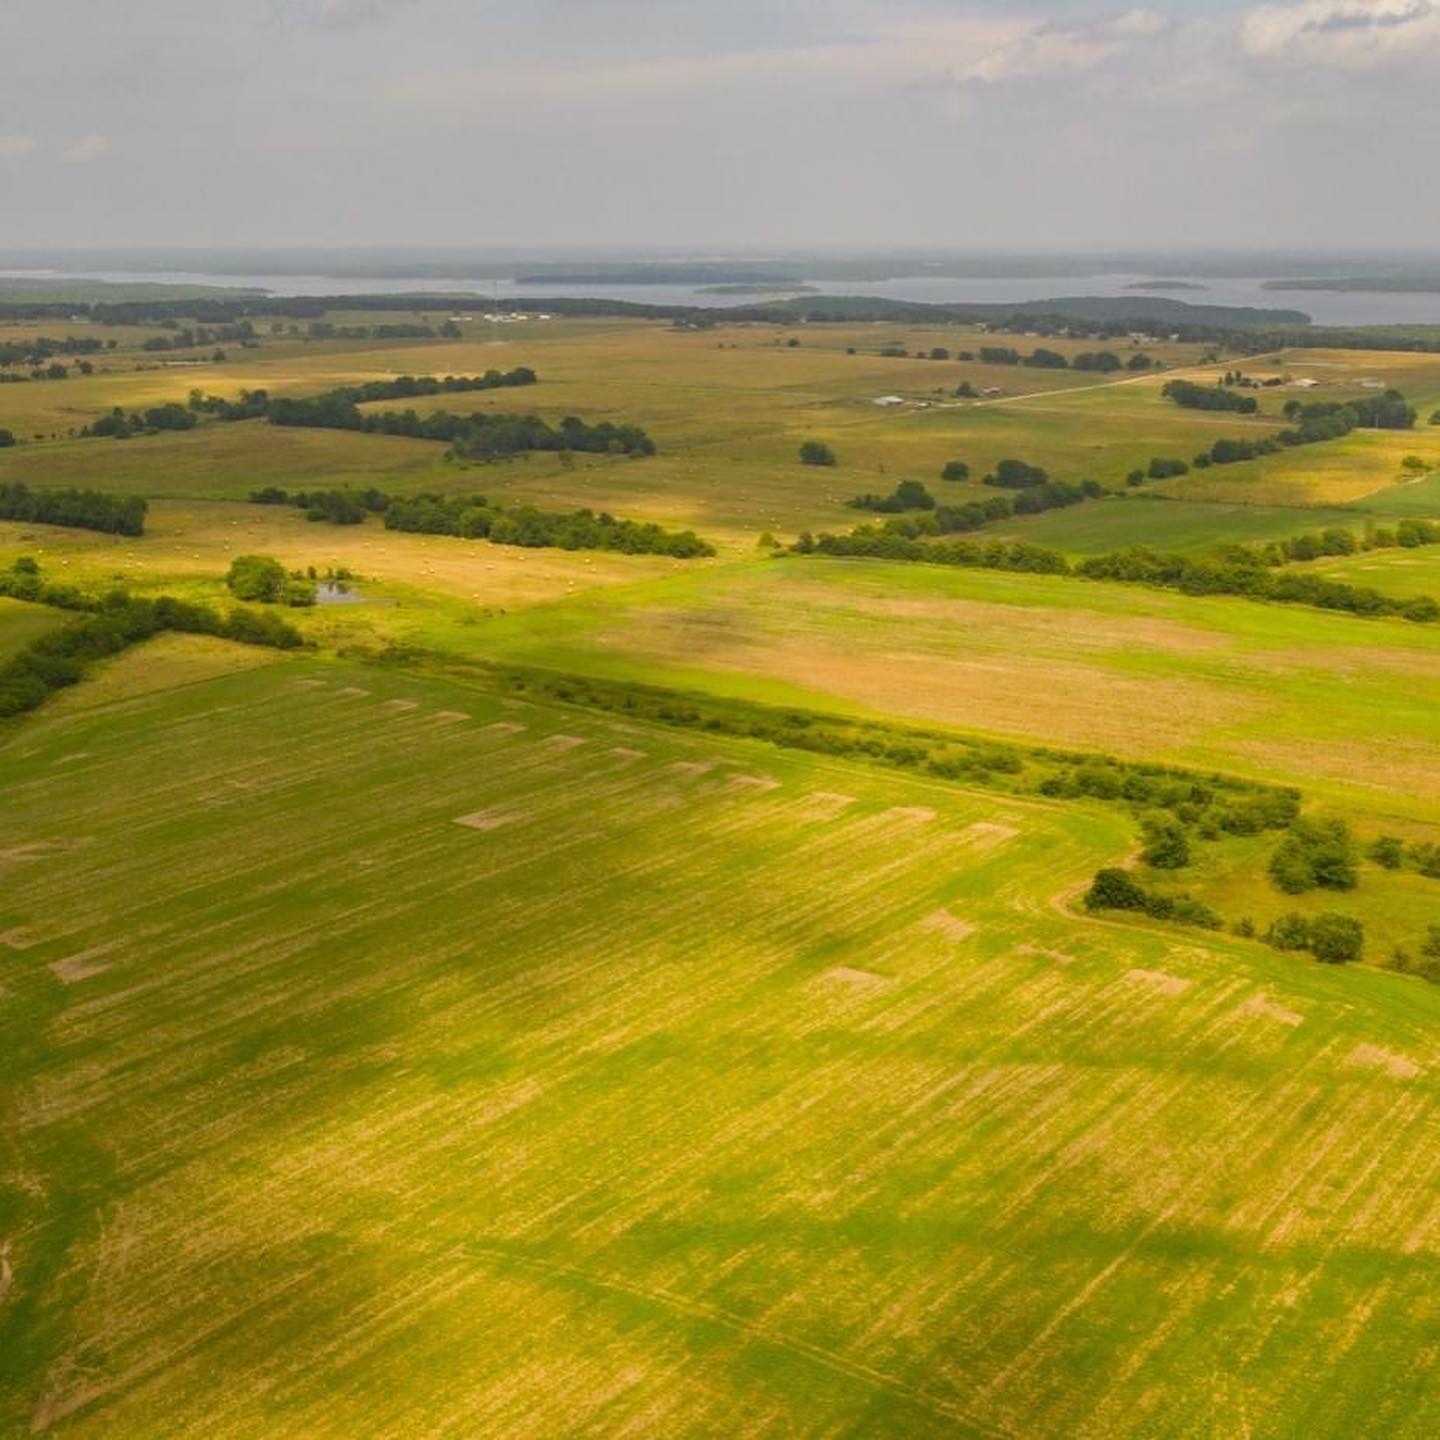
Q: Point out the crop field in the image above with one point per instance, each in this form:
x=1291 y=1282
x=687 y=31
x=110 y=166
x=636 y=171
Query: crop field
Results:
x=468 y=1023
x=382 y=1070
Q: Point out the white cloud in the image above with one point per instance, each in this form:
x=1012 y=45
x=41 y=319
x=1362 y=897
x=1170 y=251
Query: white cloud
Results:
x=1353 y=34
x=87 y=148
x=13 y=146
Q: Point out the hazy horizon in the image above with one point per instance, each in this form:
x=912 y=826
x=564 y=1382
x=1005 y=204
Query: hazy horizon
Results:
x=616 y=124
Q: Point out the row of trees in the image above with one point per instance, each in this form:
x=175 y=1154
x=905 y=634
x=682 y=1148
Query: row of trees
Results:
x=473 y=517
x=74 y=509
x=122 y=425
x=1099 y=361
x=38 y=350
x=1209 y=397
x=1236 y=570
x=1240 y=571
x=1213 y=801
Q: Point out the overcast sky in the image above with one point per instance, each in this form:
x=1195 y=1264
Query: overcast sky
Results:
x=959 y=123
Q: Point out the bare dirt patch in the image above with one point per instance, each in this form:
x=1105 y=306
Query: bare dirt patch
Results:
x=562 y=742
x=988 y=835
x=400 y=705
x=1268 y=1009
x=487 y=819
x=1158 y=982
x=449 y=717
x=503 y=727
x=21 y=938
x=952 y=927
x=355 y=690
x=1372 y=1057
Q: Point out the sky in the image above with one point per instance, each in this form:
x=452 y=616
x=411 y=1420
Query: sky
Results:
x=963 y=124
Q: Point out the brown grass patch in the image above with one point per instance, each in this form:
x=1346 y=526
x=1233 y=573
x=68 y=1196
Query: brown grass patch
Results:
x=450 y=716
x=1158 y=981
x=562 y=742
x=1040 y=952
x=624 y=752
x=355 y=690
x=689 y=767
x=906 y=817
x=21 y=938
x=848 y=975
x=825 y=804
x=399 y=704
x=952 y=927
x=75 y=968
x=753 y=784
x=487 y=819
x=503 y=727
x=988 y=835
x=1372 y=1057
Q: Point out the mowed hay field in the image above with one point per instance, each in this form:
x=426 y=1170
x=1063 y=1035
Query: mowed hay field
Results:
x=384 y=1059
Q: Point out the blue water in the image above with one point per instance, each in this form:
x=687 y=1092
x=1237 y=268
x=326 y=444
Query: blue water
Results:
x=1324 y=309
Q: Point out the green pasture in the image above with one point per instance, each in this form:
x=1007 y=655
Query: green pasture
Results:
x=20 y=624
x=384 y=1059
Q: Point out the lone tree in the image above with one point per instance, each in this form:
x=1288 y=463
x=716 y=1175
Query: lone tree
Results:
x=955 y=470
x=256 y=577
x=816 y=452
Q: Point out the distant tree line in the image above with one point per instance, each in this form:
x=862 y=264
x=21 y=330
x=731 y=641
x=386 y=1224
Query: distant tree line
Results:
x=480 y=436
x=74 y=509
x=242 y=332
x=41 y=348
x=473 y=517
x=341 y=401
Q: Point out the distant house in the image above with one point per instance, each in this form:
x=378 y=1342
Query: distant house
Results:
x=888 y=400
x=1305 y=382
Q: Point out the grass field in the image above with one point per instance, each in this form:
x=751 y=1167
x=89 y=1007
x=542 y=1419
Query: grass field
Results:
x=369 y=1121
x=20 y=624
x=384 y=1053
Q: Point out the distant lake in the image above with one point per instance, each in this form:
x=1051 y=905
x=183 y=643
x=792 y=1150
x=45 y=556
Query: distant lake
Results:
x=1325 y=309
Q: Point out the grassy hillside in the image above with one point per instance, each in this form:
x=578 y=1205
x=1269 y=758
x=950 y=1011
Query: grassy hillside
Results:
x=426 y=1095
